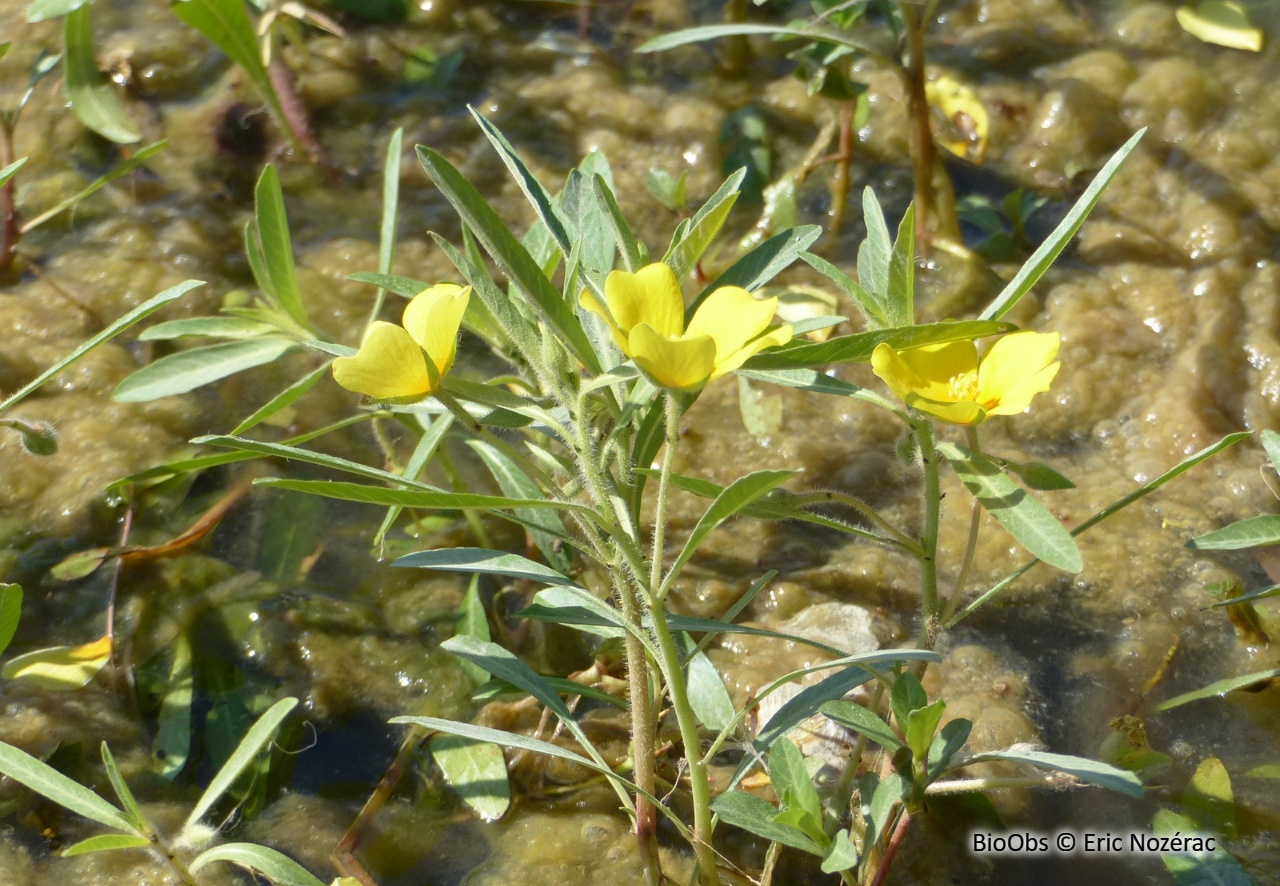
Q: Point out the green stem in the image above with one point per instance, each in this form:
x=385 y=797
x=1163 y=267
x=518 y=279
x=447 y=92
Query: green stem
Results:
x=672 y=670
x=929 y=611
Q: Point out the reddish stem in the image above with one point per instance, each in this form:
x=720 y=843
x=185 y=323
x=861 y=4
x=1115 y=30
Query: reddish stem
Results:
x=891 y=851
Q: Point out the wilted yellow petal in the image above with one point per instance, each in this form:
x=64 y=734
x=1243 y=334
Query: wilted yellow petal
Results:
x=967 y=122
x=651 y=295
x=1221 y=22
x=1011 y=362
x=60 y=667
x=732 y=318
x=433 y=318
x=684 y=363
x=389 y=366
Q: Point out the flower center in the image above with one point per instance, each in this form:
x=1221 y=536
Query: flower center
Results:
x=963 y=387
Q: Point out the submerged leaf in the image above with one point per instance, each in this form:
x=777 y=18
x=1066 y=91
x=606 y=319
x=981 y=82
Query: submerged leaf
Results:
x=1221 y=22
x=477 y=771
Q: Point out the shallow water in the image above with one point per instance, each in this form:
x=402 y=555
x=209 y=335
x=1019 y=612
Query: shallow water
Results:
x=1167 y=307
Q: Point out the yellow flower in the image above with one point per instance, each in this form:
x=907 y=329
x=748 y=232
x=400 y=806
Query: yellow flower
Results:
x=949 y=380
x=407 y=362
x=646 y=316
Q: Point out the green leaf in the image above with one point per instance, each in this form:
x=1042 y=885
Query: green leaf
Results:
x=872 y=310
x=1218 y=688
x=757 y=816
x=121 y=169
x=226 y=24
x=633 y=252
x=841 y=854
x=684 y=252
x=907 y=696
x=1050 y=249
x=422 y=454
x=254 y=740
x=10 y=611
x=505 y=666
x=485 y=561
x=792 y=783
x=213 y=327
x=875 y=254
x=1248 y=533
x=187 y=370
x=1037 y=475
x=543 y=206
x=517 y=484
x=858 y=348
x=570 y=605
x=390 y=207
x=511 y=257
x=889 y=792
x=473 y=621
x=492 y=689
x=272 y=229
x=736 y=496
x=864 y=722
x=671 y=192
x=1022 y=516
x=515 y=740
x=1088 y=771
x=141 y=311
x=921 y=724
x=405 y=286
x=172 y=744
x=901 y=292
x=1216 y=868
x=93 y=98
x=106 y=843
x=948 y=743
x=276 y=866
x=307 y=456
x=1271 y=444
x=60 y=668
x=1259 y=594
x=12 y=169
x=127 y=800
x=715 y=32
x=763 y=263
x=48 y=782
x=43 y=10
x=295 y=527
x=476 y=770
x=283 y=400
x=707 y=694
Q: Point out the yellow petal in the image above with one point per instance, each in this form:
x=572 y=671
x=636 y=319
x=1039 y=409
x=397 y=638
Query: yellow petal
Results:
x=966 y=117
x=684 y=363
x=590 y=303
x=60 y=667
x=651 y=295
x=929 y=372
x=963 y=412
x=732 y=318
x=770 y=339
x=389 y=366
x=1011 y=361
x=433 y=318
x=1019 y=398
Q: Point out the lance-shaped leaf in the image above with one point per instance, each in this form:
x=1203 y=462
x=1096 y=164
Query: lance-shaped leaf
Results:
x=49 y=782
x=687 y=247
x=187 y=370
x=1219 y=688
x=1248 y=533
x=1089 y=771
x=763 y=263
x=864 y=722
x=513 y=259
x=517 y=484
x=276 y=866
x=486 y=561
x=859 y=347
x=1022 y=516
x=121 y=169
x=10 y=611
x=254 y=740
x=634 y=254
